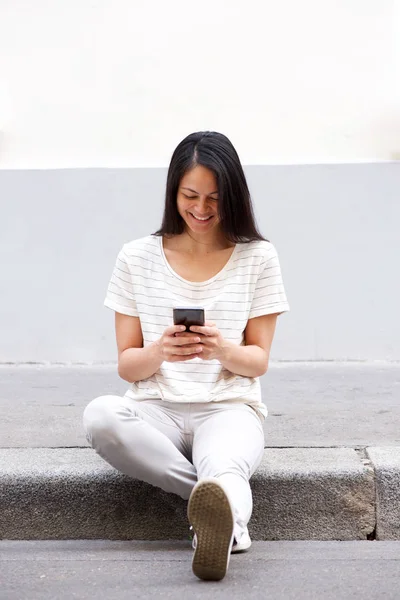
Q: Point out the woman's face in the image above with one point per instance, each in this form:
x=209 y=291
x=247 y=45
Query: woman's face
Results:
x=197 y=200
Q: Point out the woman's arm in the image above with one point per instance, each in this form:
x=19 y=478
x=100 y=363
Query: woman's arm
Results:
x=135 y=362
x=250 y=360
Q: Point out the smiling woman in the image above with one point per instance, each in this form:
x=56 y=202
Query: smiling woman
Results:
x=205 y=169
x=191 y=423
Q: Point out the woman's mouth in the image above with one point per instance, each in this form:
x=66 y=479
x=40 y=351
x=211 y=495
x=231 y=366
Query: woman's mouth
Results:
x=201 y=219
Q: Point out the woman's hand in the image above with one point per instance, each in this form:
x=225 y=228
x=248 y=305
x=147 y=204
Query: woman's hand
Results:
x=210 y=339
x=177 y=345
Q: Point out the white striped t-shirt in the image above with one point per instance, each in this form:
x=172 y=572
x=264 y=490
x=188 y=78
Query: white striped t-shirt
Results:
x=144 y=285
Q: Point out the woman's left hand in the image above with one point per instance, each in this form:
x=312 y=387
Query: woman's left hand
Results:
x=211 y=339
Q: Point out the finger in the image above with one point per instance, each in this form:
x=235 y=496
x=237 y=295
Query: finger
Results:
x=197 y=328
x=185 y=341
x=174 y=329
x=185 y=351
x=184 y=334
x=203 y=330
x=190 y=350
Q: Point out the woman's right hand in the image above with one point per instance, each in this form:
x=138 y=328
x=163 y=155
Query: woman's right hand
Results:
x=178 y=349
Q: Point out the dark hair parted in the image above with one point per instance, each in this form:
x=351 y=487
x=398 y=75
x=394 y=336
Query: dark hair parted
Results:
x=215 y=152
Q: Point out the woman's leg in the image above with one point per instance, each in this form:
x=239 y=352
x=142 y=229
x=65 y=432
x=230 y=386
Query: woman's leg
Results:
x=229 y=444
x=142 y=440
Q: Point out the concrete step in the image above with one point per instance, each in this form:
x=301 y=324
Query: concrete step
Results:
x=331 y=468
x=299 y=493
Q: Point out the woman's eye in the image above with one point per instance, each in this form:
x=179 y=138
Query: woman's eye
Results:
x=194 y=197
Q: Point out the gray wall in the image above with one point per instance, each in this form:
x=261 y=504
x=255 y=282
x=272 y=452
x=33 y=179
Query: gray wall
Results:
x=336 y=228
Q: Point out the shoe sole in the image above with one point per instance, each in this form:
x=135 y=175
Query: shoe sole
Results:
x=210 y=514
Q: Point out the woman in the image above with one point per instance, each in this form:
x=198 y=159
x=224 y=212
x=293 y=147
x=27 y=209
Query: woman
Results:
x=191 y=422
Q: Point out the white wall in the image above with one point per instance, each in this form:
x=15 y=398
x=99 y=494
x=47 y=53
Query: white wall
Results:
x=120 y=82
x=335 y=228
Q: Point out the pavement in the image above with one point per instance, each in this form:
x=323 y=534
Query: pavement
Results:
x=283 y=570
x=326 y=519
x=320 y=404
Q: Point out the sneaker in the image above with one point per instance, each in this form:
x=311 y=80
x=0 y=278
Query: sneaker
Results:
x=242 y=545
x=211 y=516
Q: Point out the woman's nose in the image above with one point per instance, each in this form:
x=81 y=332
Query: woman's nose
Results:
x=203 y=204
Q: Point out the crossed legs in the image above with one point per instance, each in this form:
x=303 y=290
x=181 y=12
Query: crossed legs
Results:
x=173 y=446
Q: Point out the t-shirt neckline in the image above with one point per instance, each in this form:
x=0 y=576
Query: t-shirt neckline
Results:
x=195 y=283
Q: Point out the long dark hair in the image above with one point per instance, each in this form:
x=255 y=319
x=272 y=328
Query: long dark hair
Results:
x=215 y=152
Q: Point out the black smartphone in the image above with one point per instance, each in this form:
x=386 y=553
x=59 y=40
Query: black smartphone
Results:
x=188 y=316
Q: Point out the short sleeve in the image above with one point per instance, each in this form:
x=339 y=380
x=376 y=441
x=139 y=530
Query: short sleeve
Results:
x=120 y=293
x=269 y=295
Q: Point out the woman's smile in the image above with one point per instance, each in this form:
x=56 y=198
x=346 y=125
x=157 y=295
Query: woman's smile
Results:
x=201 y=219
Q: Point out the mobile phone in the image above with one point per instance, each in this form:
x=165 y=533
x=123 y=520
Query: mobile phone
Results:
x=188 y=316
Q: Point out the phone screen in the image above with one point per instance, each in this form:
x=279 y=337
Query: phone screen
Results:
x=189 y=316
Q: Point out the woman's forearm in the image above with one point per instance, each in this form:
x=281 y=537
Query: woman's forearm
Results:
x=248 y=361
x=135 y=364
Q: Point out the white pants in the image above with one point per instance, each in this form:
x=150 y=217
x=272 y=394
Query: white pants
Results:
x=172 y=446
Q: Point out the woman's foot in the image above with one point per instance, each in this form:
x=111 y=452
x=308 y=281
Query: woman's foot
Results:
x=211 y=516
x=241 y=541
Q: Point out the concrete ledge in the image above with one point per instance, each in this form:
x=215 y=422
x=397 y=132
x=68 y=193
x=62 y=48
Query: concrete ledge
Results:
x=386 y=462
x=314 y=493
